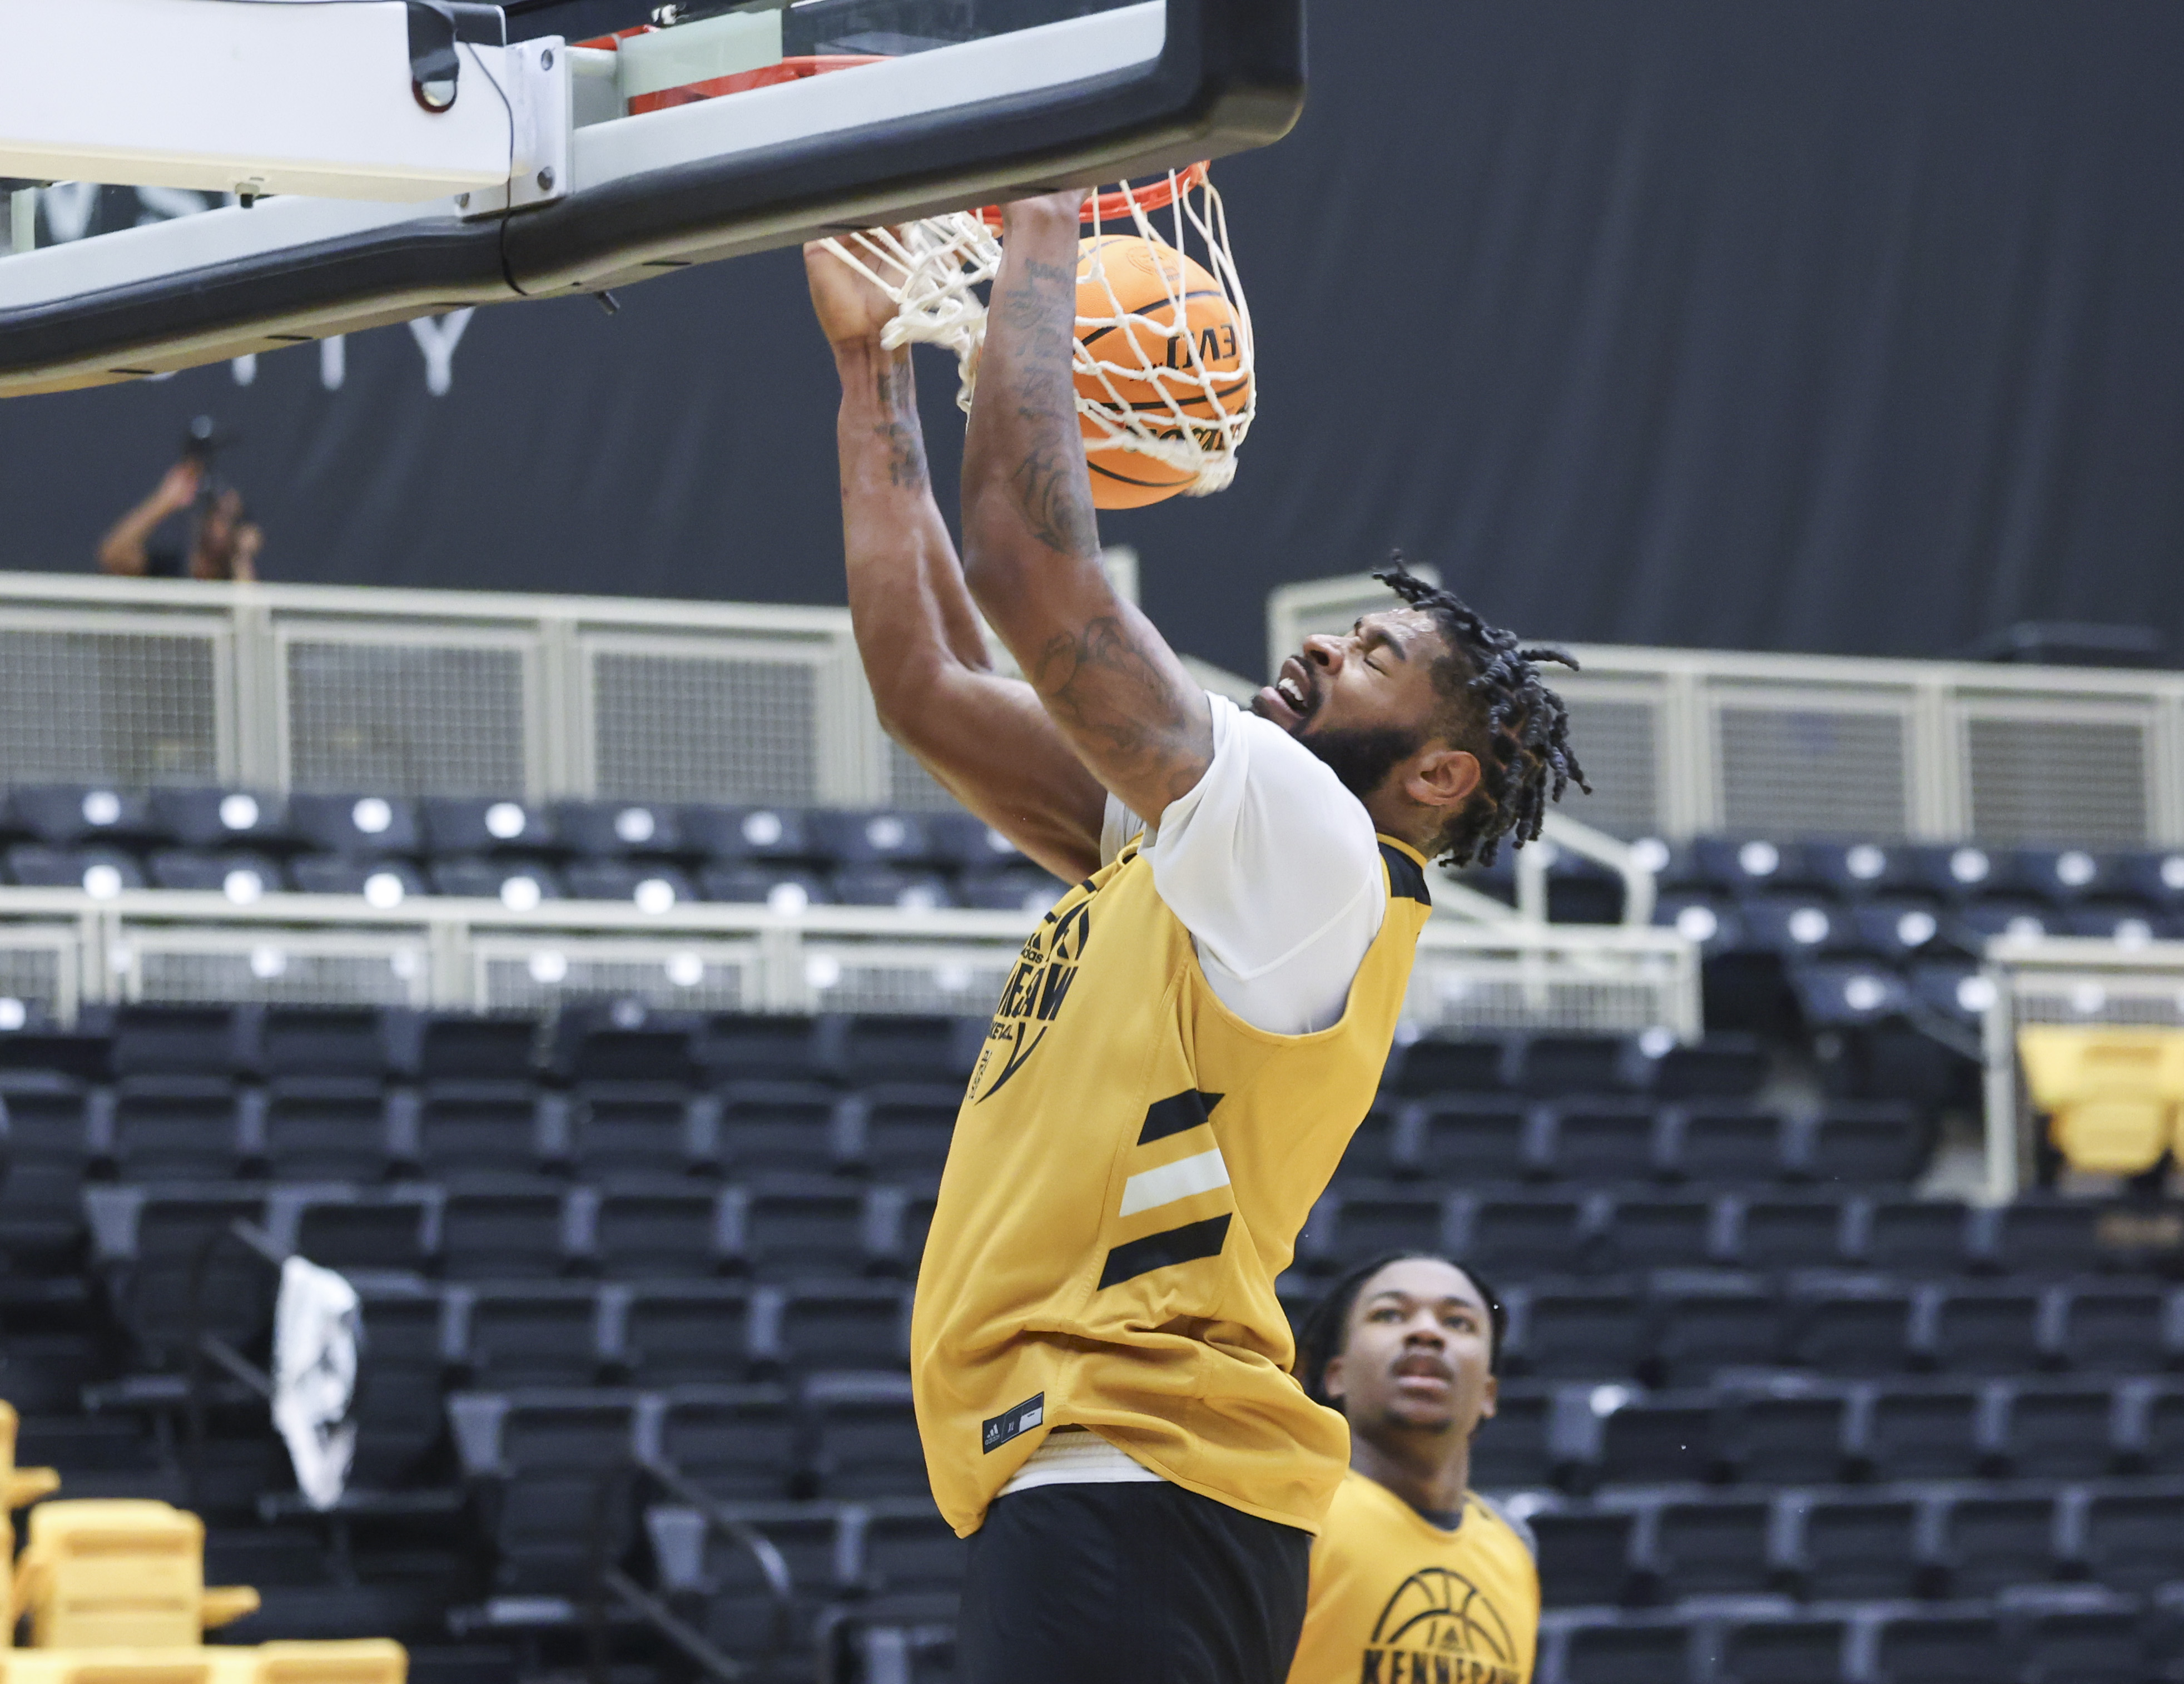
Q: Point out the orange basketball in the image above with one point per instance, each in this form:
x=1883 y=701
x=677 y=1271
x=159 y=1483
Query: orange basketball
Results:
x=1149 y=372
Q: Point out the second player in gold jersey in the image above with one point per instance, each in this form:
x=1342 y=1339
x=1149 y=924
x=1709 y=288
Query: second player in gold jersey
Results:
x=1415 y=1578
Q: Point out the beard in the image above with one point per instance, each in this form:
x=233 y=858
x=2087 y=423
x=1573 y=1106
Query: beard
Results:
x=1362 y=757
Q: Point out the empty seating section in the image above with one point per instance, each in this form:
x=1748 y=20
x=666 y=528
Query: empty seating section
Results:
x=245 y=844
x=636 y=1293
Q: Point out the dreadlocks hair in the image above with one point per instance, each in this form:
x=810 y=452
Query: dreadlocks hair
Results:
x=1326 y=1326
x=1495 y=706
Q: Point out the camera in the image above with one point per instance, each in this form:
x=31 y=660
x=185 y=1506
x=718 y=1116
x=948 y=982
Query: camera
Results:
x=203 y=441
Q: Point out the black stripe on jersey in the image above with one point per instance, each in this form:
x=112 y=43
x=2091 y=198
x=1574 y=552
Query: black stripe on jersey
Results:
x=1407 y=878
x=1186 y=1244
x=1176 y=1113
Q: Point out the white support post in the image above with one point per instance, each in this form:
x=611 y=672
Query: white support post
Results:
x=23 y=219
x=1998 y=1085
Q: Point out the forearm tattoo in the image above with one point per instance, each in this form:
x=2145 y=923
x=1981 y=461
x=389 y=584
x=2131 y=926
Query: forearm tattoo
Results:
x=1040 y=309
x=901 y=432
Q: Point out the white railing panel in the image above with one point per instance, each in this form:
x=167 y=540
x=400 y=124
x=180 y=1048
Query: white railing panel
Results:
x=1621 y=733
x=58 y=946
x=1578 y=980
x=2059 y=770
x=542 y=972
x=727 y=719
x=1811 y=762
x=42 y=966
x=115 y=697
x=421 y=710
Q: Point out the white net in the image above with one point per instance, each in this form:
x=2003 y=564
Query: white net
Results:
x=1164 y=359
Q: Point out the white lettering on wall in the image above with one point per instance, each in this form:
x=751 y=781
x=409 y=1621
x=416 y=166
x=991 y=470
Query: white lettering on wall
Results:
x=333 y=362
x=437 y=337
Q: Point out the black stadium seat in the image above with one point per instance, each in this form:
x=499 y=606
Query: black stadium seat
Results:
x=1989 y=1543
x=1855 y=1547
x=1447 y=1067
x=1704 y=1320
x=777 y=1127
x=678 y=1334
x=625 y=1129
x=1521 y=1234
x=532 y=1334
x=665 y=1230
x=1481 y=1139
x=1712 y=1143
x=1939 y=1647
x=326 y=1129
x=1665 y=1439
x=1923 y=1432
x=1714 y=1546
x=1787 y=1433
x=534 y=1460
x=1806 y=1649
x=363 y=823
x=512 y=1231
x=608 y=829
x=1604 y=1141
x=735 y=1443
x=1585 y=1559
x=1627 y=1652
x=2059 y=1430
x=1852 y=1326
x=866 y=1436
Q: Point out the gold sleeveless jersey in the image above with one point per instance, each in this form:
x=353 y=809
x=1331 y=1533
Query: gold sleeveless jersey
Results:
x=1395 y=1599
x=1129 y=1169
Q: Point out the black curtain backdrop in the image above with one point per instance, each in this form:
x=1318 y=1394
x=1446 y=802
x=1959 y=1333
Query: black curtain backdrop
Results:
x=1854 y=327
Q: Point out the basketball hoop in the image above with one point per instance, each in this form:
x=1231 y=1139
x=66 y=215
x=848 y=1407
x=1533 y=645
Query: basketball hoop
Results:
x=1181 y=410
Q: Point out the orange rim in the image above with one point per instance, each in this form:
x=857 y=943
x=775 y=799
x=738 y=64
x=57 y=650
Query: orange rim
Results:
x=1115 y=206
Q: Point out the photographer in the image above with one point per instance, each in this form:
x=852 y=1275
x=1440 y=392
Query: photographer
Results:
x=223 y=541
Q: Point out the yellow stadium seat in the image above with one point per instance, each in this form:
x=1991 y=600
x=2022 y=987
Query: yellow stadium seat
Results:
x=2113 y=1095
x=373 y=1660
x=119 y=1573
x=26 y=1486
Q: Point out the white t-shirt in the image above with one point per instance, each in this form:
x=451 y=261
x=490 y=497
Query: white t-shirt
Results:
x=1273 y=868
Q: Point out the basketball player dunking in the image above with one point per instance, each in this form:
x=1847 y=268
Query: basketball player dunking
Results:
x=1414 y=1576
x=1100 y=1363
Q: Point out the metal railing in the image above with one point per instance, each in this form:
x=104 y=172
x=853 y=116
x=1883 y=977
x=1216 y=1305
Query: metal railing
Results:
x=143 y=682
x=61 y=949
x=1679 y=742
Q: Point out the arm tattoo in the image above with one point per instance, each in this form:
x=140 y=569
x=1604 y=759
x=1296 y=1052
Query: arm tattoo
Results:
x=1051 y=488
x=902 y=433
x=1101 y=685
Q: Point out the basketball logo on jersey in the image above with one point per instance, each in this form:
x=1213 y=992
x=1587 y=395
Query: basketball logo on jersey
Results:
x=1032 y=999
x=1439 y=1628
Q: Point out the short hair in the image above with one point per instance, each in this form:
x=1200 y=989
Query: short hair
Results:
x=1494 y=705
x=1326 y=1326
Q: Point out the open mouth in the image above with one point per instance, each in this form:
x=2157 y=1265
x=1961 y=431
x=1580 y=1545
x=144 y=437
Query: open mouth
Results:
x=1425 y=1370
x=1291 y=699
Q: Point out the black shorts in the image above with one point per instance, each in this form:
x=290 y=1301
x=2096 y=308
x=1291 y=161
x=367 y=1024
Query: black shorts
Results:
x=1129 y=1584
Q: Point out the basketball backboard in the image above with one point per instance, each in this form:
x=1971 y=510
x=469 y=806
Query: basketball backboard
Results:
x=636 y=143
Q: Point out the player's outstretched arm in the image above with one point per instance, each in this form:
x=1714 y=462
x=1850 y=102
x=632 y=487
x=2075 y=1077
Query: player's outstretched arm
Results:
x=984 y=737
x=1031 y=546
